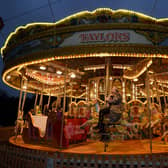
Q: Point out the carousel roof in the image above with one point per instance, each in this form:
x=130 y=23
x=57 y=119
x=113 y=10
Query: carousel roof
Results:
x=73 y=50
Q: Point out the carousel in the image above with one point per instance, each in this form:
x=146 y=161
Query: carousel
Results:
x=108 y=73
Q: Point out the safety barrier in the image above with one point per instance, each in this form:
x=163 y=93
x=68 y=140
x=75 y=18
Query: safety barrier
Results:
x=16 y=157
x=108 y=161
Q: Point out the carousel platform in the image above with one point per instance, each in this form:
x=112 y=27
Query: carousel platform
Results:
x=120 y=147
x=90 y=154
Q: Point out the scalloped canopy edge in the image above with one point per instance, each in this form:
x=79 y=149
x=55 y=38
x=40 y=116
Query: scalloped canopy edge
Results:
x=88 y=14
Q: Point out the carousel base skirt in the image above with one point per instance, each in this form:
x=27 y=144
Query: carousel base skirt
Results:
x=125 y=147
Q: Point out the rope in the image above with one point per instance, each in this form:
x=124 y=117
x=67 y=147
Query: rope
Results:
x=153 y=7
x=51 y=10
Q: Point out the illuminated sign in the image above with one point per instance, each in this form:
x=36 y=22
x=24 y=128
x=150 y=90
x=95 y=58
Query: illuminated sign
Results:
x=105 y=37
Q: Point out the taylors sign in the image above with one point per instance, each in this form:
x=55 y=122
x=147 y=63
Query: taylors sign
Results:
x=106 y=37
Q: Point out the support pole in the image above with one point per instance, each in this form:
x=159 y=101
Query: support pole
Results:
x=35 y=102
x=71 y=93
x=158 y=97
x=24 y=99
x=87 y=93
x=97 y=89
x=123 y=91
x=107 y=76
x=133 y=90
x=41 y=101
x=49 y=99
x=164 y=96
x=19 y=113
x=153 y=98
x=64 y=104
x=148 y=108
x=20 y=97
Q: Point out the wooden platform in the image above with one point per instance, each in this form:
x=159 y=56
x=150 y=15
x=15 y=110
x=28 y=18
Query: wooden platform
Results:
x=96 y=147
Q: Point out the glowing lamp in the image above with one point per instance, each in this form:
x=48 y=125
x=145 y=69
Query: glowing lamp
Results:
x=73 y=75
x=24 y=87
x=135 y=80
x=43 y=68
x=59 y=72
x=8 y=77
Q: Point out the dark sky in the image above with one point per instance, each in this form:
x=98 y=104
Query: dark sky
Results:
x=20 y=12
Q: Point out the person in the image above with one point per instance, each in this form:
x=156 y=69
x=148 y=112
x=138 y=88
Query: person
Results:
x=56 y=104
x=32 y=111
x=113 y=110
x=59 y=113
x=97 y=107
x=56 y=107
x=46 y=109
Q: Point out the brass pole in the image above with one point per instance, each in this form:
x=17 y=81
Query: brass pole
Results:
x=35 y=102
x=49 y=99
x=64 y=104
x=24 y=99
x=107 y=76
x=19 y=107
x=164 y=96
x=41 y=101
x=71 y=93
x=123 y=91
x=21 y=90
x=148 y=108
x=158 y=97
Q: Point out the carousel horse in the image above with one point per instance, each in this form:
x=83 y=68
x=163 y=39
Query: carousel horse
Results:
x=92 y=119
x=164 y=137
x=91 y=123
x=19 y=123
x=156 y=119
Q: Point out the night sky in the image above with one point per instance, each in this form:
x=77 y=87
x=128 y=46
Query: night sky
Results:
x=21 y=12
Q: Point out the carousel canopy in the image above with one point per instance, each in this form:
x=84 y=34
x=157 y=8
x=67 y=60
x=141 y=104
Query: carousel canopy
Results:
x=45 y=56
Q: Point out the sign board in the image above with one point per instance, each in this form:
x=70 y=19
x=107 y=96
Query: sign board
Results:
x=105 y=37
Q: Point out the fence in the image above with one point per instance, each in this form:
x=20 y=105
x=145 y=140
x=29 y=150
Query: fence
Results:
x=16 y=157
